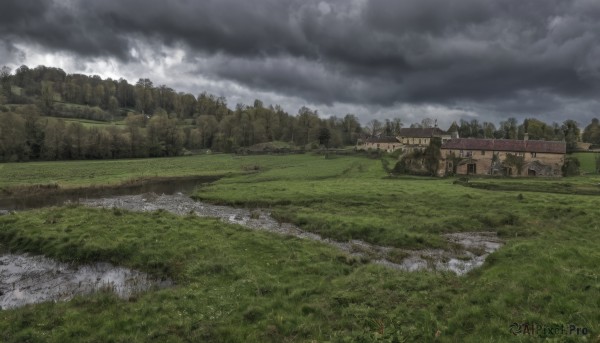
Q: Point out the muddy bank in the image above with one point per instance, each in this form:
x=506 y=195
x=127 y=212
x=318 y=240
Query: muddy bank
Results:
x=472 y=249
x=38 y=196
x=28 y=279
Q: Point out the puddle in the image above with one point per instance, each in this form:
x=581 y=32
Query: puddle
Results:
x=474 y=246
x=28 y=279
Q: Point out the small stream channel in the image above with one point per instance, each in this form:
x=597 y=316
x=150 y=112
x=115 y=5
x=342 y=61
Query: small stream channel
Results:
x=28 y=279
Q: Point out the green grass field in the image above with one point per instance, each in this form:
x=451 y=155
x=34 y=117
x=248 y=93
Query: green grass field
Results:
x=110 y=172
x=588 y=161
x=235 y=285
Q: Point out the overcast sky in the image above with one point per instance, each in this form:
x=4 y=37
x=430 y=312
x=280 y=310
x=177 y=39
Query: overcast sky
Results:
x=483 y=59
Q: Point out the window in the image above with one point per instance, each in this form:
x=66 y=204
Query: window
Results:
x=469 y=153
x=419 y=141
x=461 y=153
x=482 y=152
x=533 y=154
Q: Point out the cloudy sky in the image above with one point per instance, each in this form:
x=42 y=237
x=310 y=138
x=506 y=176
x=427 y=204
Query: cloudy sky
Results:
x=483 y=59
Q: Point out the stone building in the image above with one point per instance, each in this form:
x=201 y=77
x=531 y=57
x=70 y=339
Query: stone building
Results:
x=471 y=156
x=386 y=143
x=420 y=138
x=408 y=139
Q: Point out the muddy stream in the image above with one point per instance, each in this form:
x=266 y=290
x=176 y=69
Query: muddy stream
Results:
x=26 y=279
x=472 y=247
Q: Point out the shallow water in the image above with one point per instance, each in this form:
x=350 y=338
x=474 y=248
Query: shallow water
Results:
x=26 y=279
x=474 y=246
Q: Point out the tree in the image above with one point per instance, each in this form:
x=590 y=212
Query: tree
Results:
x=453 y=128
x=54 y=140
x=591 y=133
x=433 y=155
x=6 y=90
x=324 y=137
x=427 y=123
x=113 y=106
x=508 y=129
x=47 y=99
x=143 y=91
x=571 y=166
x=137 y=139
x=515 y=161
x=76 y=133
x=12 y=137
x=374 y=128
x=397 y=125
x=571 y=133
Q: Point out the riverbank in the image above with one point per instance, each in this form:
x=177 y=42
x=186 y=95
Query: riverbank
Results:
x=35 y=196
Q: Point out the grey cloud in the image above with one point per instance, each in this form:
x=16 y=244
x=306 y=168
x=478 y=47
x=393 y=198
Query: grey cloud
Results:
x=495 y=53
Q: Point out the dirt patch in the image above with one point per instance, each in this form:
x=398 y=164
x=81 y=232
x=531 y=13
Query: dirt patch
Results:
x=472 y=247
x=28 y=279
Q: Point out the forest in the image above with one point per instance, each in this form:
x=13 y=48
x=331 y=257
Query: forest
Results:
x=47 y=114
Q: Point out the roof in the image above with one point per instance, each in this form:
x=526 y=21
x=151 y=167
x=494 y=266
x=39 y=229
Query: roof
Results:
x=419 y=132
x=382 y=139
x=554 y=147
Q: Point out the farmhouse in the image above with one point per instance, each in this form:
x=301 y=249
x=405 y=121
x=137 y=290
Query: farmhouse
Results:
x=386 y=143
x=417 y=137
x=408 y=139
x=502 y=157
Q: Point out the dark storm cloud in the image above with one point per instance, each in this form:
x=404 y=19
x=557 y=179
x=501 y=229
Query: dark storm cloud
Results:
x=376 y=52
x=64 y=25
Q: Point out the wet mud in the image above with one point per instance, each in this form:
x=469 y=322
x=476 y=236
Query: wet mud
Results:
x=26 y=279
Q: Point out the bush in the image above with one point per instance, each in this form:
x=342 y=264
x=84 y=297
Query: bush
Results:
x=571 y=166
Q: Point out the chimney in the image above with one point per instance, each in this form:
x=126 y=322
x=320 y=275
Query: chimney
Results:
x=526 y=136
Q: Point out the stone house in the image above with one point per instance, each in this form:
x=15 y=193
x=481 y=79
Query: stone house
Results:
x=408 y=139
x=420 y=138
x=386 y=143
x=472 y=156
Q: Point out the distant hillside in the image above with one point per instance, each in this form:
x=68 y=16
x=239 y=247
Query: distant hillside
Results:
x=141 y=120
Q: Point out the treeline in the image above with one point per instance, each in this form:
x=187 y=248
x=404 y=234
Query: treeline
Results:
x=511 y=129
x=157 y=121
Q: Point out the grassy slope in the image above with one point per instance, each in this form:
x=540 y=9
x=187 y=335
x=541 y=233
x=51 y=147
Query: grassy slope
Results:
x=546 y=273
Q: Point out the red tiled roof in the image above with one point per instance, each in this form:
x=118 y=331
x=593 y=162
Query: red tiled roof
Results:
x=419 y=132
x=554 y=147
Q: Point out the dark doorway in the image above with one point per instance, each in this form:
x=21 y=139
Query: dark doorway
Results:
x=471 y=168
x=531 y=172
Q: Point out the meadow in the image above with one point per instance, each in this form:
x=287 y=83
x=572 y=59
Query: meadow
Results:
x=236 y=285
x=70 y=174
x=588 y=161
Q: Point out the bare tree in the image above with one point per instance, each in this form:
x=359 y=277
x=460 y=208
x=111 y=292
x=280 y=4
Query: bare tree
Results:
x=374 y=127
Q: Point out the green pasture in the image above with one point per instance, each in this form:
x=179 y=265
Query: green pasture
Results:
x=236 y=285
x=587 y=161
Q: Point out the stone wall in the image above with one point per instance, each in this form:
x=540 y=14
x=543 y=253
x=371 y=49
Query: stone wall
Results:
x=483 y=163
